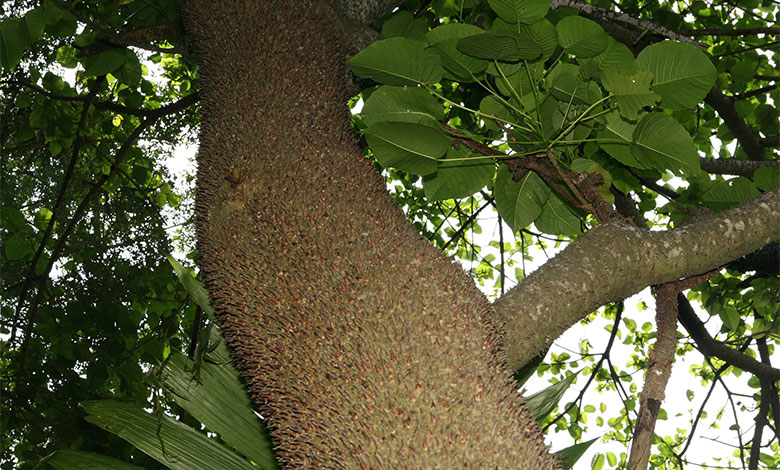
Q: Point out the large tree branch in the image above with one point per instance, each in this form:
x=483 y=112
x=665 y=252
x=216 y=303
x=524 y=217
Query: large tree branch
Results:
x=747 y=137
x=626 y=259
x=731 y=166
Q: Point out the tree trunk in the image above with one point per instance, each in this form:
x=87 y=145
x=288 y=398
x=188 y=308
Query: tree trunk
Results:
x=363 y=346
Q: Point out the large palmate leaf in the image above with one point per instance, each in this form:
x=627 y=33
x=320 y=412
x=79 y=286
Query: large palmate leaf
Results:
x=184 y=448
x=409 y=147
x=458 y=178
x=682 y=74
x=630 y=92
x=402 y=104
x=520 y=11
x=661 y=142
x=557 y=218
x=581 y=36
x=104 y=62
x=500 y=45
x=519 y=202
x=215 y=397
x=398 y=61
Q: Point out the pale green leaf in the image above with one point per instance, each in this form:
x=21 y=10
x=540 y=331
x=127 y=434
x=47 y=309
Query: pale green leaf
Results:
x=194 y=287
x=663 y=143
x=185 y=448
x=398 y=61
x=582 y=37
x=630 y=92
x=682 y=74
x=408 y=147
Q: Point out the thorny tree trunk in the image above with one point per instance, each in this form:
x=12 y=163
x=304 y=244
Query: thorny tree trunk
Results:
x=363 y=345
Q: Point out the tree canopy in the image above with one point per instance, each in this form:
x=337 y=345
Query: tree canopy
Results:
x=647 y=131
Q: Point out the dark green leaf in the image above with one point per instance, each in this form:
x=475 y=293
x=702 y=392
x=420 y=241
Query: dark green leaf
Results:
x=404 y=25
x=557 y=219
x=519 y=202
x=616 y=139
x=461 y=178
x=402 y=104
x=630 y=92
x=80 y=460
x=398 y=61
x=544 y=402
x=570 y=455
x=409 y=147
x=767 y=177
x=522 y=11
x=193 y=287
x=724 y=194
x=104 y=62
x=581 y=36
x=17 y=247
x=13 y=42
x=500 y=45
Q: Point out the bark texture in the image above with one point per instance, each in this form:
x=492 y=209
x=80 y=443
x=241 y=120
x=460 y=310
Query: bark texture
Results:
x=617 y=260
x=363 y=346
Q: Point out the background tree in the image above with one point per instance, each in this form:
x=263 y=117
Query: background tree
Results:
x=544 y=113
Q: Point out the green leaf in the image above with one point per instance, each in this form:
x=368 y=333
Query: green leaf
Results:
x=544 y=34
x=193 y=287
x=42 y=218
x=598 y=462
x=616 y=139
x=35 y=22
x=582 y=37
x=556 y=218
x=452 y=31
x=727 y=193
x=104 y=62
x=767 y=177
x=566 y=85
x=630 y=92
x=661 y=142
x=80 y=460
x=519 y=202
x=457 y=65
x=13 y=42
x=542 y=403
x=217 y=399
x=500 y=45
x=682 y=74
x=520 y=11
x=570 y=455
x=185 y=448
x=521 y=82
x=460 y=178
x=616 y=54
x=402 y=104
x=408 y=147
x=17 y=247
x=730 y=317
x=404 y=25
x=398 y=61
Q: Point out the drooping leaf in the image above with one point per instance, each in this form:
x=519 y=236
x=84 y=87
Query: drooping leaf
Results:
x=402 y=104
x=556 y=218
x=630 y=92
x=409 y=147
x=520 y=11
x=80 y=460
x=616 y=139
x=519 y=202
x=185 y=448
x=682 y=74
x=581 y=36
x=500 y=45
x=403 y=24
x=461 y=178
x=193 y=287
x=216 y=398
x=570 y=455
x=13 y=42
x=104 y=62
x=542 y=403
x=398 y=61
x=661 y=142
